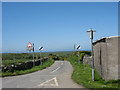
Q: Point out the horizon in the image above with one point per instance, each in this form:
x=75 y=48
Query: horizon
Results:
x=44 y=51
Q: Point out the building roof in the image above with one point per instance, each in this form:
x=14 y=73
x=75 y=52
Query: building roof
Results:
x=104 y=39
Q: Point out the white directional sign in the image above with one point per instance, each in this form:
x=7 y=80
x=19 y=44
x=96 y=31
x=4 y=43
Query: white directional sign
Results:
x=41 y=48
x=78 y=47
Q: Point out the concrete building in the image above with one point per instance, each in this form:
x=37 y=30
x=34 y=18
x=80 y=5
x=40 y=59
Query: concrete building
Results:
x=106 y=57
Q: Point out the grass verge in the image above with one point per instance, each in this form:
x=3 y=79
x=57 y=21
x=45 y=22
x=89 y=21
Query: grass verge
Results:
x=36 y=68
x=82 y=75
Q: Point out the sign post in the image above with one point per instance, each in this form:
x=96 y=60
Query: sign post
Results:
x=40 y=49
x=33 y=56
x=74 y=49
x=30 y=47
x=78 y=47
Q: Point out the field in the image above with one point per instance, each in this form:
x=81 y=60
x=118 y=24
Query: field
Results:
x=14 y=58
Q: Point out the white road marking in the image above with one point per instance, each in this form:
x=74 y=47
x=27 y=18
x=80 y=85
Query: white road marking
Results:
x=61 y=63
x=55 y=70
x=45 y=83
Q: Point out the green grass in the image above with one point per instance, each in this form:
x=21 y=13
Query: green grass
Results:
x=36 y=68
x=82 y=75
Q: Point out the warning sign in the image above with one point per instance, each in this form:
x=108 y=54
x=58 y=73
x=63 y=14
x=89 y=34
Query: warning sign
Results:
x=29 y=46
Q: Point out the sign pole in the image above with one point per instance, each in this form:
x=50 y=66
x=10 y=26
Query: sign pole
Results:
x=33 y=56
x=74 y=49
x=78 y=57
x=78 y=47
x=40 y=48
x=40 y=53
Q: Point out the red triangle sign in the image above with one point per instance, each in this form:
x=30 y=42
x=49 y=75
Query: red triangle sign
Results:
x=29 y=45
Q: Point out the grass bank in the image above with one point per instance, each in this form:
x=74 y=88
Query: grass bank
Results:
x=36 y=68
x=82 y=75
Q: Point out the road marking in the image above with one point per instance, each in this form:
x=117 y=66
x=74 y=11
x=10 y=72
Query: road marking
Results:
x=47 y=83
x=61 y=63
x=55 y=70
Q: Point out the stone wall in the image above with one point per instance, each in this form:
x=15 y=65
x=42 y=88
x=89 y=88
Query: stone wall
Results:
x=87 y=60
x=22 y=66
x=106 y=57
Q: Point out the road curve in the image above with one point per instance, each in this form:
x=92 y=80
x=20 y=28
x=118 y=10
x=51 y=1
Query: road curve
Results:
x=56 y=76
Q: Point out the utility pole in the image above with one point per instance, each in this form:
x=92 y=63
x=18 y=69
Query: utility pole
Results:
x=91 y=32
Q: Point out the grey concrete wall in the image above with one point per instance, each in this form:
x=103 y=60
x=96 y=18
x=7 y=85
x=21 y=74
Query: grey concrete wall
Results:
x=100 y=58
x=106 y=58
x=119 y=58
x=112 y=52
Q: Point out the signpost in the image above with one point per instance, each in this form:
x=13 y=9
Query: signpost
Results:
x=33 y=56
x=74 y=49
x=30 y=47
x=40 y=49
x=78 y=47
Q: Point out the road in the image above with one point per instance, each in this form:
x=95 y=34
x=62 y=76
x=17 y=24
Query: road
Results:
x=56 y=76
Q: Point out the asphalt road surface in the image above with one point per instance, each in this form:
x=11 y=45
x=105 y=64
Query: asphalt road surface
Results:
x=56 y=76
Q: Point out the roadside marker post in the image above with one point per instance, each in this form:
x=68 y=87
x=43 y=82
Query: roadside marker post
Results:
x=40 y=49
x=78 y=47
x=74 y=49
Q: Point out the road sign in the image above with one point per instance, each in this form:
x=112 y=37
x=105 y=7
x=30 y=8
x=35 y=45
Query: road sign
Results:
x=41 y=48
x=78 y=47
x=29 y=45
